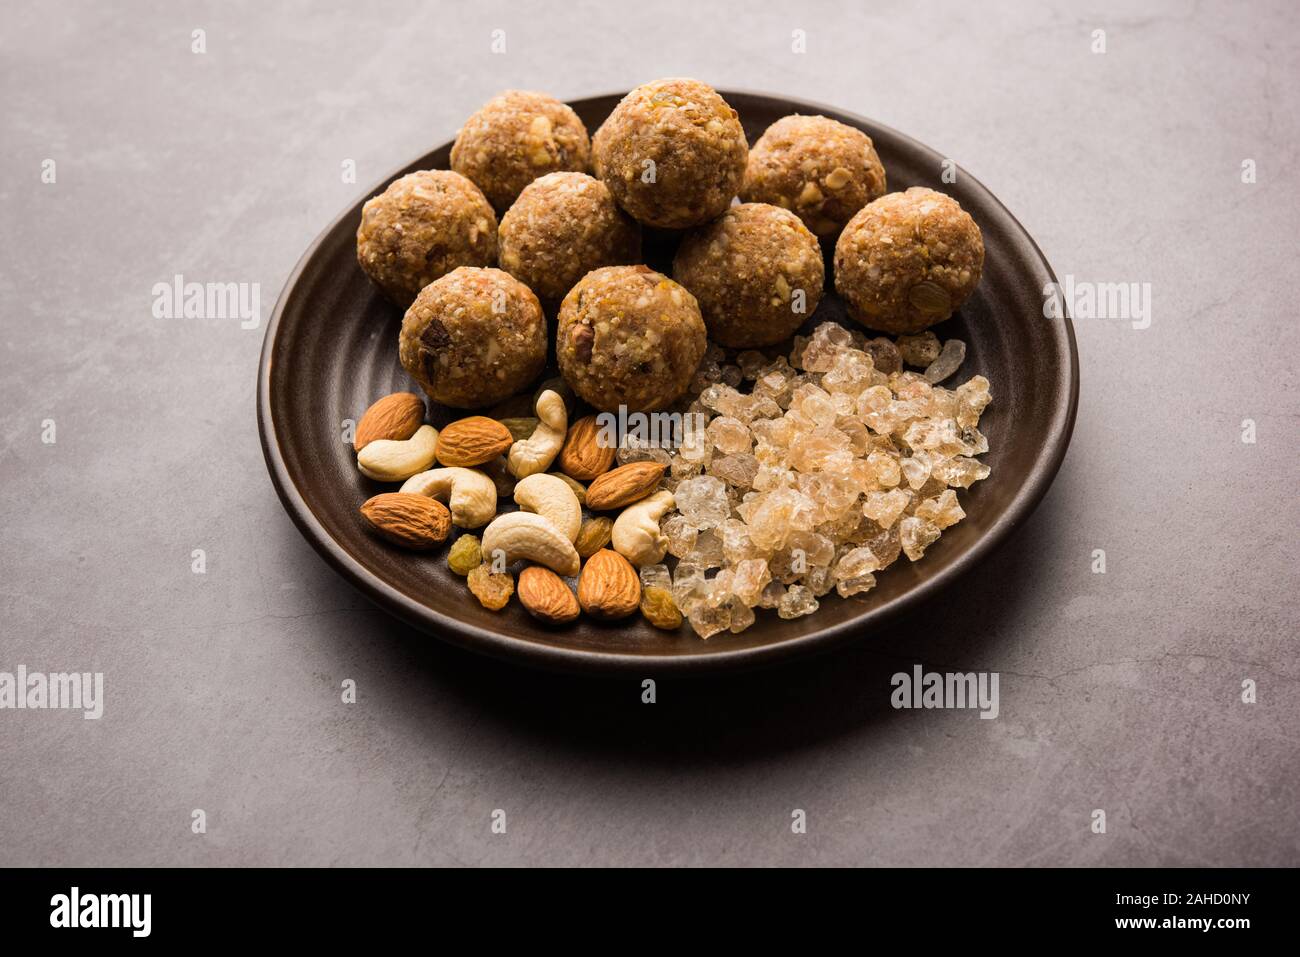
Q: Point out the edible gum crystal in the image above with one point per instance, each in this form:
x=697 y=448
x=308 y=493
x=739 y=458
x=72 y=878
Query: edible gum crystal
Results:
x=819 y=477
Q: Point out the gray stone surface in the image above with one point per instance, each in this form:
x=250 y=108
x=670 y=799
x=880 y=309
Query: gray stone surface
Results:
x=1118 y=691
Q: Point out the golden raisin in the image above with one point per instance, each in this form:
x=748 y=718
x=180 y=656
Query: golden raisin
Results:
x=593 y=536
x=579 y=490
x=521 y=427
x=493 y=591
x=659 y=609
x=464 y=555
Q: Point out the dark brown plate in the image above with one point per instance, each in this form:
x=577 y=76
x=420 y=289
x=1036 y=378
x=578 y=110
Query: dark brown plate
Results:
x=331 y=349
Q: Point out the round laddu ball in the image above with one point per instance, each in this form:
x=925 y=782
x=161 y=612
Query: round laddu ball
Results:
x=516 y=137
x=421 y=228
x=756 y=271
x=562 y=227
x=817 y=167
x=672 y=153
x=629 y=336
x=473 y=338
x=908 y=260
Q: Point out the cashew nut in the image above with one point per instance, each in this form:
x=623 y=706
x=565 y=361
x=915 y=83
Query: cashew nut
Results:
x=528 y=535
x=551 y=498
x=394 y=460
x=636 y=533
x=536 y=453
x=471 y=495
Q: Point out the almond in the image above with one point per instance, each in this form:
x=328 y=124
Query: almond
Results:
x=409 y=520
x=623 y=486
x=609 y=587
x=545 y=595
x=473 y=441
x=395 y=416
x=584 y=456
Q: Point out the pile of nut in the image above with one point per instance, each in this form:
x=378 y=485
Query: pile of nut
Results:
x=480 y=460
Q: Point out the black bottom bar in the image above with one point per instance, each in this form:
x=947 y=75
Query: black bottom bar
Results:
x=330 y=907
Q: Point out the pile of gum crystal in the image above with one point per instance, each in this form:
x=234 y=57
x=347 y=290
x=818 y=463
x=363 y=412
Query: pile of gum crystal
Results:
x=815 y=480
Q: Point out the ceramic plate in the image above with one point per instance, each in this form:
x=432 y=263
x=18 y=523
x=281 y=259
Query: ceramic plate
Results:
x=331 y=350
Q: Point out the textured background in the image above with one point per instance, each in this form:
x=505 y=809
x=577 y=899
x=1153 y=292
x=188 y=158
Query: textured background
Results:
x=1119 y=691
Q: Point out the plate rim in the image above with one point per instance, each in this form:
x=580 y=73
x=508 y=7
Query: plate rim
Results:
x=551 y=657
